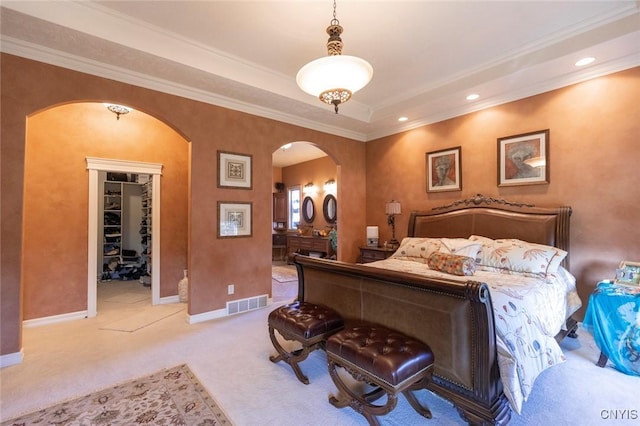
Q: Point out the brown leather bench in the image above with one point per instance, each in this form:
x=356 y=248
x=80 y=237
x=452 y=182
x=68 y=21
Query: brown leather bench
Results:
x=307 y=323
x=382 y=357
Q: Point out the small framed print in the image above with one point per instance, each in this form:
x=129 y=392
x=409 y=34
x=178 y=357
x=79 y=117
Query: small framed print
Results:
x=234 y=219
x=524 y=159
x=628 y=273
x=234 y=170
x=444 y=170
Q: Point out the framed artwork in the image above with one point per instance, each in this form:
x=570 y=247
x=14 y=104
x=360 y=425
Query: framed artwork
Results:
x=628 y=273
x=234 y=170
x=524 y=159
x=234 y=219
x=444 y=170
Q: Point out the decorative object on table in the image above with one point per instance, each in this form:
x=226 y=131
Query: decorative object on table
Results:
x=372 y=236
x=524 y=159
x=234 y=219
x=444 y=170
x=628 y=273
x=170 y=396
x=391 y=209
x=613 y=317
x=234 y=170
x=334 y=78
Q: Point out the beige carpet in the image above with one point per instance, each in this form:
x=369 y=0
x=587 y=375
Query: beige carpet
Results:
x=135 y=321
x=127 y=298
x=169 y=397
x=284 y=274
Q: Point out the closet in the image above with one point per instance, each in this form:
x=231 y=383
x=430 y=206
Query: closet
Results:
x=124 y=227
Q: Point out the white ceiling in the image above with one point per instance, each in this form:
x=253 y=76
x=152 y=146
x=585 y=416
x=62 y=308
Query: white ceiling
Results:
x=426 y=55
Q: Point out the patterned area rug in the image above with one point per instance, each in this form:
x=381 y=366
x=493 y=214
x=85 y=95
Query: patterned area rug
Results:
x=284 y=274
x=169 y=397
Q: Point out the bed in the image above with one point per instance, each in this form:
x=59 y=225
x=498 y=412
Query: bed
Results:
x=486 y=361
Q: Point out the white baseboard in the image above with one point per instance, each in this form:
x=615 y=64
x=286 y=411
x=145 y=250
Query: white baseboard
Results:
x=11 y=359
x=169 y=299
x=55 y=319
x=206 y=316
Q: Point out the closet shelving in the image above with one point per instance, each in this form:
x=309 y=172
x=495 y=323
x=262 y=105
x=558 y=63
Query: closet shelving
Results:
x=112 y=240
x=145 y=232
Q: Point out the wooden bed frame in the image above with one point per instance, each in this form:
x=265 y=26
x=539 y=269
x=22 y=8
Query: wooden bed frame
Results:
x=454 y=318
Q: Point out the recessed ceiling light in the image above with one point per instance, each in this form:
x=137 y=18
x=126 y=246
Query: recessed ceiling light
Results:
x=473 y=97
x=585 y=61
x=401 y=119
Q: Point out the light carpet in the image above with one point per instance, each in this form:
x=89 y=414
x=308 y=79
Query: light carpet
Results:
x=169 y=397
x=127 y=298
x=284 y=273
x=231 y=358
x=144 y=318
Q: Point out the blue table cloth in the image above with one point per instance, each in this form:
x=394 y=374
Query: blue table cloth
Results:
x=613 y=317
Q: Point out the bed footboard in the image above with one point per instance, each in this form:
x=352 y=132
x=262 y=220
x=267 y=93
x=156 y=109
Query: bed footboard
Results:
x=454 y=318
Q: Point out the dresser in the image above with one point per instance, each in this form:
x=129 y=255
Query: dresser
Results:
x=307 y=244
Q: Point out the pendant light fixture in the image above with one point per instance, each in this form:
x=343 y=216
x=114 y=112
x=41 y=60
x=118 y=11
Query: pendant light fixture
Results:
x=334 y=78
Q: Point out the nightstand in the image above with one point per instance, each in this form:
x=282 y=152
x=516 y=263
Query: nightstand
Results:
x=371 y=254
x=612 y=318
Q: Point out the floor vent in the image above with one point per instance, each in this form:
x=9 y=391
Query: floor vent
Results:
x=244 y=305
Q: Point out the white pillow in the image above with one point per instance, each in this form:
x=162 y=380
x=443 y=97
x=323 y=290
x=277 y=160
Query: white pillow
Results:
x=519 y=256
x=417 y=249
x=460 y=247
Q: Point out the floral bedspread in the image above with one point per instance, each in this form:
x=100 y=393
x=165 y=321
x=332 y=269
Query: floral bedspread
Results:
x=528 y=313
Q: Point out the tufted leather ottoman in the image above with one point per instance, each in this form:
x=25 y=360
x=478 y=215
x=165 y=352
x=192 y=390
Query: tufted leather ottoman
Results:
x=382 y=357
x=307 y=323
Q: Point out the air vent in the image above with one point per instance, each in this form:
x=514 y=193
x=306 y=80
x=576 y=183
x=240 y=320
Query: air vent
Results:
x=249 y=304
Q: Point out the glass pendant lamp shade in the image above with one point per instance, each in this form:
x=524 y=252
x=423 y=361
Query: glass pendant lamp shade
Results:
x=337 y=73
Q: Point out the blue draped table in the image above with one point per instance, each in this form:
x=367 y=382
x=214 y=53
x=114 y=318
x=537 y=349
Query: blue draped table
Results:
x=613 y=317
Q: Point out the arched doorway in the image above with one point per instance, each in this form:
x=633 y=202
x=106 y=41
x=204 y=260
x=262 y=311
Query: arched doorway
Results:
x=56 y=204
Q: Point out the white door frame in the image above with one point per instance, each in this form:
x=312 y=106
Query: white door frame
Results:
x=95 y=165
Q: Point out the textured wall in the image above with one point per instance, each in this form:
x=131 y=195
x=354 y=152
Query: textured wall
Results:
x=29 y=87
x=594 y=157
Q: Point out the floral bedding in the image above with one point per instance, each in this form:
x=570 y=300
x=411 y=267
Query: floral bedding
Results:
x=528 y=310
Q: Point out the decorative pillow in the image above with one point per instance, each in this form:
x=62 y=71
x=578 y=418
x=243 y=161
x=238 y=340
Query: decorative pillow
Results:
x=519 y=256
x=452 y=264
x=460 y=247
x=417 y=249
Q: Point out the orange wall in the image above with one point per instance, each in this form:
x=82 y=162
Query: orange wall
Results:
x=317 y=172
x=29 y=87
x=594 y=158
x=56 y=198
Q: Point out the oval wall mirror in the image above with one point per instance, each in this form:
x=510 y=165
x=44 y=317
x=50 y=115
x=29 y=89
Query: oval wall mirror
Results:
x=330 y=208
x=308 y=210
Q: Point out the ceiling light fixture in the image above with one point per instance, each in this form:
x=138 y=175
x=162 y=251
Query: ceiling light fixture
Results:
x=334 y=78
x=402 y=119
x=585 y=61
x=118 y=110
x=473 y=97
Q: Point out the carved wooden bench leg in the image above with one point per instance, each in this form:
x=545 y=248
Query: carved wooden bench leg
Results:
x=402 y=364
x=303 y=322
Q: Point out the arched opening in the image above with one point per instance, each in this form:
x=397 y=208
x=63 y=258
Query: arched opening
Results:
x=303 y=177
x=58 y=207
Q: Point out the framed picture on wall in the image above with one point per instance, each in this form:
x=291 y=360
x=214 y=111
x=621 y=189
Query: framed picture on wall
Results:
x=628 y=273
x=234 y=170
x=234 y=219
x=524 y=159
x=444 y=170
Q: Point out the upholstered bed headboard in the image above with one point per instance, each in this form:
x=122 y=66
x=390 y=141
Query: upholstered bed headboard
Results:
x=495 y=218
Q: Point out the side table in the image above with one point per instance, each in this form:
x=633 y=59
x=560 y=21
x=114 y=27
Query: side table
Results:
x=371 y=254
x=613 y=317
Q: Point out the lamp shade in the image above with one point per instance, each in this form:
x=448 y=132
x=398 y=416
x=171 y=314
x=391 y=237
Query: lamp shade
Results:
x=392 y=207
x=372 y=232
x=334 y=72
